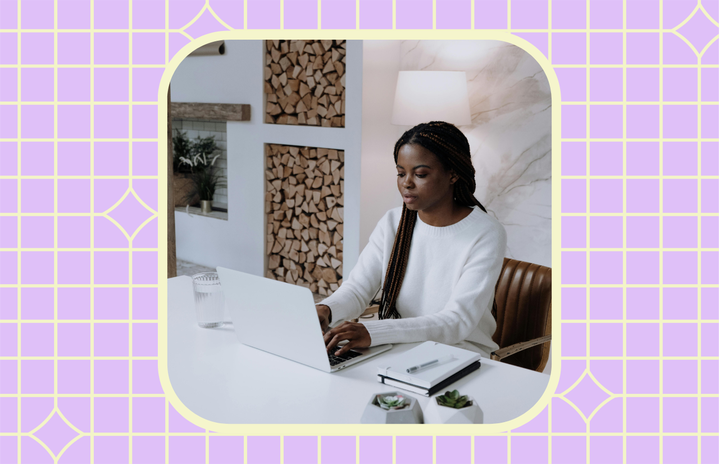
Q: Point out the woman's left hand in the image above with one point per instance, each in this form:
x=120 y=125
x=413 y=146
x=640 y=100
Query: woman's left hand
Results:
x=356 y=334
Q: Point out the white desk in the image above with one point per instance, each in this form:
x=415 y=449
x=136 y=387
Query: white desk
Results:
x=224 y=381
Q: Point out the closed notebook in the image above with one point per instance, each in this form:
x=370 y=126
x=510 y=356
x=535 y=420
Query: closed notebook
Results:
x=432 y=375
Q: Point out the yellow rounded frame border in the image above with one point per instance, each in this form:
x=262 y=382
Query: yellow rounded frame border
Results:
x=360 y=429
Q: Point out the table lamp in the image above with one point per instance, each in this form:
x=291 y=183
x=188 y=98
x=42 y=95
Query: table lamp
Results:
x=423 y=96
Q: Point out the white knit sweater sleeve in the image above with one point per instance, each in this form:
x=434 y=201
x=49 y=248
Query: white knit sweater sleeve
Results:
x=469 y=300
x=352 y=297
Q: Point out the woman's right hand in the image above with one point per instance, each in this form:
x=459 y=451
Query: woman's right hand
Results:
x=324 y=313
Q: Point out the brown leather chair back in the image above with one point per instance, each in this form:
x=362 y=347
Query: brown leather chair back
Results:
x=523 y=297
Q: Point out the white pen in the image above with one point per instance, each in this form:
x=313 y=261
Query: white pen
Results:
x=430 y=363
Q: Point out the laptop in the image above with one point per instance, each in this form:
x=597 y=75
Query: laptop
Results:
x=281 y=319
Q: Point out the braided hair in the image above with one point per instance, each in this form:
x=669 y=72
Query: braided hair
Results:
x=451 y=148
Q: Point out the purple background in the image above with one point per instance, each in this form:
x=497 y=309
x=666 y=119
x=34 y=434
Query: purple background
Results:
x=639 y=219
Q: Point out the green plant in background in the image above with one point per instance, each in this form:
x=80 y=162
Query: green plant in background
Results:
x=392 y=402
x=451 y=399
x=181 y=148
x=206 y=181
x=197 y=158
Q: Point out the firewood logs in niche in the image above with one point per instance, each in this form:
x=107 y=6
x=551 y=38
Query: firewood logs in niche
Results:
x=304 y=203
x=305 y=82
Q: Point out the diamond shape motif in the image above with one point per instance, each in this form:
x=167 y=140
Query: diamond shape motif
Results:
x=205 y=24
x=699 y=30
x=56 y=433
x=587 y=395
x=130 y=213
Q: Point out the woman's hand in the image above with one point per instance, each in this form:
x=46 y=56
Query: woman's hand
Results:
x=324 y=313
x=356 y=334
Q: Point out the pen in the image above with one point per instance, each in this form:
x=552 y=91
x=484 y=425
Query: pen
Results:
x=429 y=363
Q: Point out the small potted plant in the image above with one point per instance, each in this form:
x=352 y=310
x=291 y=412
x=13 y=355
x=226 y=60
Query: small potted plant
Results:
x=181 y=181
x=392 y=408
x=454 y=408
x=204 y=175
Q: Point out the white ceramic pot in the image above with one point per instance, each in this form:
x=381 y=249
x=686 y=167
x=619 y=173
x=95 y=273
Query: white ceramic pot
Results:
x=374 y=414
x=437 y=414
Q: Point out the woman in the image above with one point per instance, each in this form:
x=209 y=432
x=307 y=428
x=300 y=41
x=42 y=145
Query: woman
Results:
x=441 y=249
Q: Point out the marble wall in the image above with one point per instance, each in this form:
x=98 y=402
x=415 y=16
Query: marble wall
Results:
x=510 y=134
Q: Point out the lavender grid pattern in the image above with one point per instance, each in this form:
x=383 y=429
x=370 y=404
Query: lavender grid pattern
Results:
x=79 y=187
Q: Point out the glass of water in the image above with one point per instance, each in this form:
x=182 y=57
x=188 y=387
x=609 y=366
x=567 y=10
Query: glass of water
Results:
x=209 y=299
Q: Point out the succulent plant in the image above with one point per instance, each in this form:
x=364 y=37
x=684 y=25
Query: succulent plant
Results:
x=392 y=402
x=452 y=399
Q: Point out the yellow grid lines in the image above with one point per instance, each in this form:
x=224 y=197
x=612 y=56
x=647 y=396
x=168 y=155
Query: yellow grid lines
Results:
x=509 y=16
x=244 y=446
x=72 y=321
x=509 y=438
x=434 y=448
x=645 y=103
x=167 y=435
x=216 y=16
x=18 y=167
x=76 y=103
x=646 y=214
x=472 y=439
x=92 y=233
x=319 y=13
x=357 y=437
x=55 y=224
x=129 y=331
x=661 y=230
x=587 y=207
x=657 y=139
x=394 y=442
x=394 y=23
x=207 y=446
x=699 y=242
x=245 y=18
x=624 y=229
x=208 y=7
x=635 y=66
x=522 y=434
x=675 y=29
x=471 y=26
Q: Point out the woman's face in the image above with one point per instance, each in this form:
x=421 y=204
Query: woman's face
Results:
x=422 y=180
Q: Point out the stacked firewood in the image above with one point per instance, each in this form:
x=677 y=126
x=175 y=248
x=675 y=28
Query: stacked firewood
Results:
x=305 y=82
x=304 y=203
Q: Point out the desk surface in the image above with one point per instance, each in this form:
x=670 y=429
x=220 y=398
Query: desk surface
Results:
x=224 y=381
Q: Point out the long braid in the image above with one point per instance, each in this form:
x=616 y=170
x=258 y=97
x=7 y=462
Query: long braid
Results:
x=451 y=147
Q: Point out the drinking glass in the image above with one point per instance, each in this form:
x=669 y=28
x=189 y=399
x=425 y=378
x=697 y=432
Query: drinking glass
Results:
x=209 y=299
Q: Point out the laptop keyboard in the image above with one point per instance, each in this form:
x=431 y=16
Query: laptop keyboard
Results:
x=334 y=360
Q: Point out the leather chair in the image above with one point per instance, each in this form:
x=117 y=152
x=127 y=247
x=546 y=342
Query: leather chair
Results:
x=523 y=312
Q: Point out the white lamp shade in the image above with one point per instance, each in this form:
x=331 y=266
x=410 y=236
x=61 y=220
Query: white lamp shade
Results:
x=424 y=96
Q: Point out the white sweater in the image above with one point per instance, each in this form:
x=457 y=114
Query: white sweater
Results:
x=448 y=287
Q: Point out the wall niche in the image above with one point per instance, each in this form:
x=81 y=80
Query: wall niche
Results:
x=305 y=82
x=304 y=203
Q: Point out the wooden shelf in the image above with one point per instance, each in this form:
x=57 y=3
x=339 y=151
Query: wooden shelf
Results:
x=211 y=111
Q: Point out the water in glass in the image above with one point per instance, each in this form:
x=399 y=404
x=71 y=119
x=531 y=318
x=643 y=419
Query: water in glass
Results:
x=209 y=299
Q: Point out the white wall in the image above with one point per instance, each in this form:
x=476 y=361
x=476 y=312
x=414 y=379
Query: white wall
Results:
x=509 y=137
x=379 y=176
x=237 y=77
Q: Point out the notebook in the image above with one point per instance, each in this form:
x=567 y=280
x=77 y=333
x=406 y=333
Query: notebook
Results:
x=432 y=378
